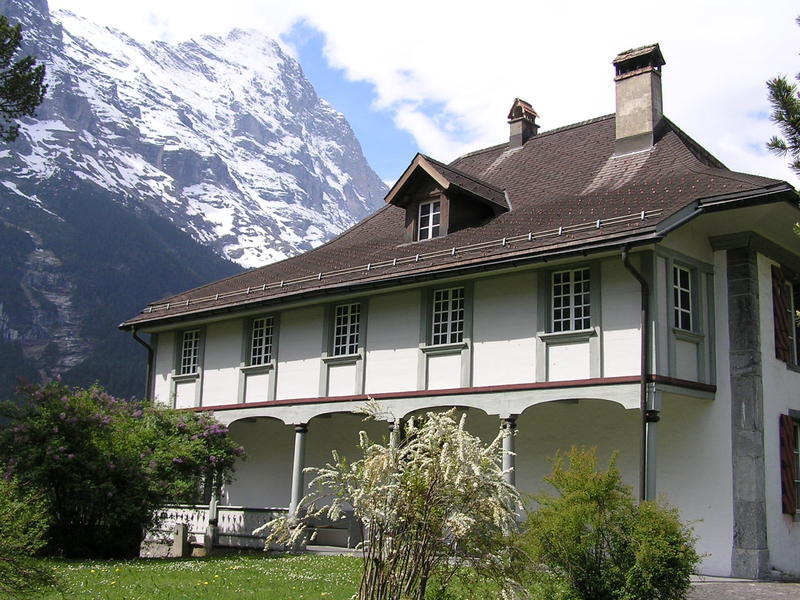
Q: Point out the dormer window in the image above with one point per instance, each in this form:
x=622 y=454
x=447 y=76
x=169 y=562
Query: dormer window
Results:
x=429 y=221
x=439 y=200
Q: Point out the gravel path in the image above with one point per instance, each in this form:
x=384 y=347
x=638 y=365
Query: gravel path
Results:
x=732 y=589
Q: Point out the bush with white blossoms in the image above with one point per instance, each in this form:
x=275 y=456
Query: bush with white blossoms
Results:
x=430 y=504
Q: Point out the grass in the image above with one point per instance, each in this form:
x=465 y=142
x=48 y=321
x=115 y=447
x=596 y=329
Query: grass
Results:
x=214 y=578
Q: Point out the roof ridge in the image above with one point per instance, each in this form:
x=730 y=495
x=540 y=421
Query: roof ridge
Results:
x=538 y=135
x=464 y=174
x=693 y=146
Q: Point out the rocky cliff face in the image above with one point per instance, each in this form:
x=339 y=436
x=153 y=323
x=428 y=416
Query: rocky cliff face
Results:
x=152 y=168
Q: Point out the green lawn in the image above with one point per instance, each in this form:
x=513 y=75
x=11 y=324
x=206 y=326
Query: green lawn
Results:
x=215 y=578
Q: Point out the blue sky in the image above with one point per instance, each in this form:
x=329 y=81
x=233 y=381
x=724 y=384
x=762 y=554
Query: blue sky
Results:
x=389 y=149
x=439 y=77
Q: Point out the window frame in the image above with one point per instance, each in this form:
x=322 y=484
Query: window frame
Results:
x=346 y=329
x=796 y=454
x=432 y=230
x=194 y=357
x=789 y=437
x=792 y=292
x=556 y=325
x=446 y=337
x=266 y=356
x=678 y=291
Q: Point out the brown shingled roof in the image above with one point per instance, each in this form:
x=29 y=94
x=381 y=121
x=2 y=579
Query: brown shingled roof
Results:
x=567 y=190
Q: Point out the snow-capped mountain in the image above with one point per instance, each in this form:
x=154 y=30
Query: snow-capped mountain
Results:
x=148 y=168
x=225 y=137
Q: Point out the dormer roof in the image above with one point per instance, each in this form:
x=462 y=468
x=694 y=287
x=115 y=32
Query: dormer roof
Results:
x=448 y=179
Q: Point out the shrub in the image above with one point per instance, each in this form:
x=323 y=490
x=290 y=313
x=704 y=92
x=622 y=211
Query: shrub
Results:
x=591 y=541
x=430 y=505
x=104 y=465
x=23 y=523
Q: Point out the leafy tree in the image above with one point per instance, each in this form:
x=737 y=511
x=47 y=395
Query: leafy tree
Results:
x=22 y=85
x=591 y=541
x=430 y=505
x=23 y=523
x=104 y=465
x=783 y=98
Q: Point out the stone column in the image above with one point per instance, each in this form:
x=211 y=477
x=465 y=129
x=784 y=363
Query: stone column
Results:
x=509 y=426
x=395 y=429
x=750 y=557
x=298 y=465
x=211 y=536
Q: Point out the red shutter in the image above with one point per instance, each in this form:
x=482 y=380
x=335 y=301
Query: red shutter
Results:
x=781 y=316
x=788 y=469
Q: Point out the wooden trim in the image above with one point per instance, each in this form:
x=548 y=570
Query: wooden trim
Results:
x=781 y=316
x=787 y=446
x=511 y=387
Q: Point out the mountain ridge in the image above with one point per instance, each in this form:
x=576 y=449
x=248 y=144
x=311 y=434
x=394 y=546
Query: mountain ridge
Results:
x=150 y=168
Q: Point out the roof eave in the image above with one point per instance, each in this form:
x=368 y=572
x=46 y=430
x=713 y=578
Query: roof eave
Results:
x=781 y=192
x=598 y=245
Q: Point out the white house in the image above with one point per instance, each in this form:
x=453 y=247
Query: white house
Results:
x=609 y=283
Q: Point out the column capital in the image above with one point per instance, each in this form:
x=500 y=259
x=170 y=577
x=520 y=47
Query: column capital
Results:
x=301 y=427
x=508 y=422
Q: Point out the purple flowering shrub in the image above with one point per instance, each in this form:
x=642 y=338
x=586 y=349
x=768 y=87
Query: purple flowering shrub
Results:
x=104 y=465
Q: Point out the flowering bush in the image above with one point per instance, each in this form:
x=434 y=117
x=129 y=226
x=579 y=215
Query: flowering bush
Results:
x=430 y=505
x=103 y=465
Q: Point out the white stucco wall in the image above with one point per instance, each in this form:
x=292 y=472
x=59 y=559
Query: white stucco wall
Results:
x=393 y=342
x=164 y=363
x=504 y=330
x=444 y=371
x=566 y=361
x=223 y=353
x=264 y=478
x=186 y=393
x=342 y=379
x=299 y=351
x=544 y=429
x=620 y=319
x=692 y=240
x=694 y=473
x=780 y=387
x=686 y=360
x=256 y=386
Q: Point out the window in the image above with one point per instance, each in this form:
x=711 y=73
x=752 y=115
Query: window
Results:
x=448 y=316
x=261 y=341
x=571 y=305
x=790 y=462
x=682 y=297
x=429 y=220
x=796 y=455
x=347 y=323
x=190 y=352
x=785 y=303
x=794 y=326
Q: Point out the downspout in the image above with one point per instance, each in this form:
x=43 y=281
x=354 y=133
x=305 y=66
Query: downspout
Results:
x=148 y=384
x=646 y=415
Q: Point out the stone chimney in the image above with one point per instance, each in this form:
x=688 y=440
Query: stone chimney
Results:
x=639 y=105
x=522 y=121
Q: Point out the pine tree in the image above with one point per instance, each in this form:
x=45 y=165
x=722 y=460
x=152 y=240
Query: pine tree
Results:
x=22 y=85
x=785 y=102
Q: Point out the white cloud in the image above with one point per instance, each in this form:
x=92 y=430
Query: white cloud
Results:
x=449 y=70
